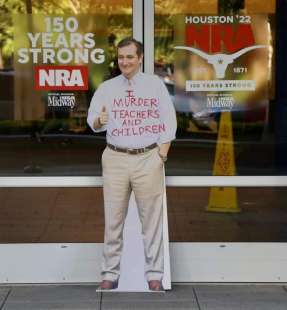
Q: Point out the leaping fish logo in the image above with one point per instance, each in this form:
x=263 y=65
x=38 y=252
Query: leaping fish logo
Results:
x=220 y=61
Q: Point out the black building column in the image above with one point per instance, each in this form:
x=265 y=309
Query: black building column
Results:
x=281 y=87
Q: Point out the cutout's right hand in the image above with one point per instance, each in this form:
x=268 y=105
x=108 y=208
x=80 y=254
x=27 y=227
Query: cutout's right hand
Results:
x=104 y=116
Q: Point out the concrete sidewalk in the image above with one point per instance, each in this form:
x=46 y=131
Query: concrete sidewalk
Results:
x=182 y=296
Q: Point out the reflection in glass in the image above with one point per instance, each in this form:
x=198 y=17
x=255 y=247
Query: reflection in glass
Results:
x=262 y=218
x=76 y=215
x=194 y=46
x=38 y=134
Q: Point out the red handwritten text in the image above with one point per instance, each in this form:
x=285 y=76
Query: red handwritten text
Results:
x=138 y=131
x=145 y=114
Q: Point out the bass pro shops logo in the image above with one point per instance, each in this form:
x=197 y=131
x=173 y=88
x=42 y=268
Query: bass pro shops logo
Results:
x=61 y=77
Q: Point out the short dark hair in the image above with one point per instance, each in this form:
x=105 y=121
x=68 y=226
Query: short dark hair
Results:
x=129 y=41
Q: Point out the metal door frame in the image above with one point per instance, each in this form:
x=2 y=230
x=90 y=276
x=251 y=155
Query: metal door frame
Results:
x=200 y=262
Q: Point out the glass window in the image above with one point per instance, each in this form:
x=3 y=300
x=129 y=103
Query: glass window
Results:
x=227 y=214
x=224 y=64
x=53 y=215
x=53 y=55
x=58 y=215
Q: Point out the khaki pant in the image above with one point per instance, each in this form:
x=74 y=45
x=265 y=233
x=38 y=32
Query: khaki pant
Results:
x=142 y=174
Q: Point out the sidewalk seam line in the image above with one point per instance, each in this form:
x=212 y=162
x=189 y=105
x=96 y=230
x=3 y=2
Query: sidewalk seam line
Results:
x=197 y=301
x=101 y=301
x=5 y=299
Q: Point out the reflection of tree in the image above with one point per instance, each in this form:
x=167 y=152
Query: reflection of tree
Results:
x=118 y=14
x=166 y=12
x=112 y=57
x=169 y=29
x=226 y=7
x=6 y=29
x=164 y=37
x=101 y=17
x=82 y=7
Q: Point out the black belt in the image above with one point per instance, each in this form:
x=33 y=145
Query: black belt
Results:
x=132 y=151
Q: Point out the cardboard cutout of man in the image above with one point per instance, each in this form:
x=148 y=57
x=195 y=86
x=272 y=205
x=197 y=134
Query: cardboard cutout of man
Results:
x=136 y=111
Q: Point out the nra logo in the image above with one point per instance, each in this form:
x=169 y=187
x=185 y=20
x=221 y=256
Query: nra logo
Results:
x=61 y=77
x=212 y=38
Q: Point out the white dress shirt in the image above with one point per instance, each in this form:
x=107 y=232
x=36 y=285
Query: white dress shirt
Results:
x=140 y=111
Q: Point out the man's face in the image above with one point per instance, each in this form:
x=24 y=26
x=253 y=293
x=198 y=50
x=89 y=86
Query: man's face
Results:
x=128 y=60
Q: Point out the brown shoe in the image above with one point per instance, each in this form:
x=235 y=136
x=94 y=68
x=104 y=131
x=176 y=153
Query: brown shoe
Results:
x=108 y=285
x=155 y=285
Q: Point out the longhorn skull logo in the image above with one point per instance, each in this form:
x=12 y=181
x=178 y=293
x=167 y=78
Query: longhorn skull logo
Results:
x=220 y=61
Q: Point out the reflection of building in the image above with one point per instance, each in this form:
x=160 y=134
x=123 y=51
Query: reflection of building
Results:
x=7 y=96
x=79 y=115
x=28 y=104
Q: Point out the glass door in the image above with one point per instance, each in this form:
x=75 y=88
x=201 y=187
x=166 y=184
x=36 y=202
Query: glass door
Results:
x=224 y=63
x=45 y=121
x=51 y=207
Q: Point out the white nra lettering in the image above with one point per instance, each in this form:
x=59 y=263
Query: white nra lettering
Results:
x=60 y=77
